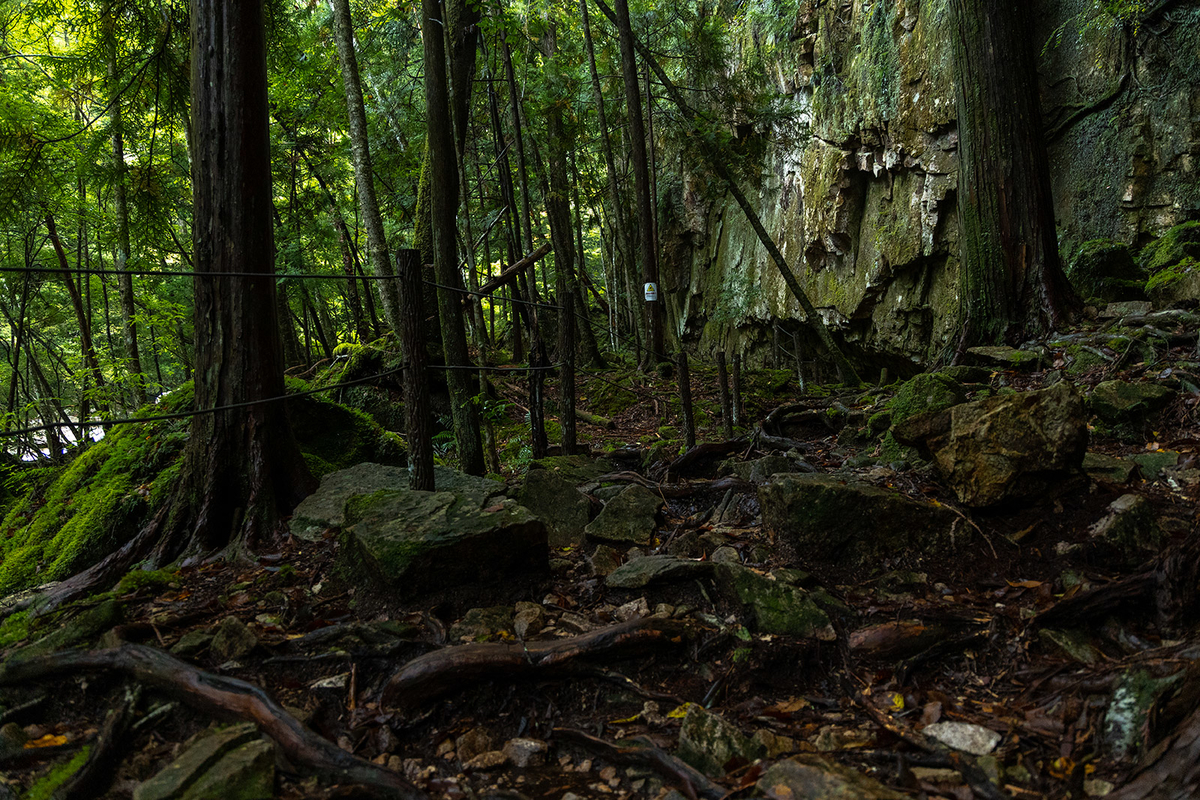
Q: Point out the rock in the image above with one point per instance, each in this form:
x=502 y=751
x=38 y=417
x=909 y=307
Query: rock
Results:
x=1009 y=447
x=1173 y=262
x=247 y=773
x=574 y=469
x=555 y=501
x=473 y=743
x=484 y=762
x=630 y=517
x=1127 y=718
x=1127 y=308
x=12 y=740
x=1128 y=407
x=1074 y=644
x=974 y=739
x=326 y=507
x=773 y=745
x=642 y=572
x=529 y=619
x=827 y=518
x=481 y=624
x=1005 y=357
x=726 y=555
x=1104 y=270
x=777 y=607
x=1130 y=529
x=1107 y=468
x=708 y=742
x=412 y=541
x=604 y=560
x=192 y=643
x=525 y=753
x=1153 y=465
x=232 y=639
x=197 y=757
x=634 y=608
x=812 y=777
x=760 y=469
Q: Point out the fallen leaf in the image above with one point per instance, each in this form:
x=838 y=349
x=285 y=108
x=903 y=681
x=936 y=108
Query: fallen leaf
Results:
x=49 y=740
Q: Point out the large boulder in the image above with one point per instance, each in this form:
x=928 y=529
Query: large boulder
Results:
x=1103 y=270
x=413 y=541
x=1006 y=447
x=1173 y=262
x=776 y=606
x=827 y=518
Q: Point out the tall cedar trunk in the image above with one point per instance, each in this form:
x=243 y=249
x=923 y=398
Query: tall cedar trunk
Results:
x=377 y=248
x=653 y=313
x=1013 y=284
x=558 y=210
x=121 y=207
x=443 y=183
x=622 y=236
x=242 y=468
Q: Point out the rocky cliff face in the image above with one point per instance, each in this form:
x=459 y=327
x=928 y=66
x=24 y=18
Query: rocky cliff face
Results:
x=863 y=203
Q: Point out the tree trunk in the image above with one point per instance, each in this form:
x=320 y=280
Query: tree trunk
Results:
x=81 y=315
x=443 y=182
x=377 y=248
x=587 y=336
x=519 y=138
x=653 y=311
x=242 y=469
x=1013 y=284
x=124 y=279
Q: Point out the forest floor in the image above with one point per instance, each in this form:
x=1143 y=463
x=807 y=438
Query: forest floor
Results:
x=1023 y=634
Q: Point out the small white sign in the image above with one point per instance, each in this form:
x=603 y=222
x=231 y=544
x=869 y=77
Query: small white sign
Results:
x=651 y=293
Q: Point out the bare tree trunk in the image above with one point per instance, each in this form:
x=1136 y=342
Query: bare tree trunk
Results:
x=377 y=248
x=81 y=314
x=587 y=336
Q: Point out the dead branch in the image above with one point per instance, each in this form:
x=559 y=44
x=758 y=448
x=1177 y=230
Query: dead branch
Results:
x=509 y=273
x=647 y=754
x=228 y=698
x=428 y=676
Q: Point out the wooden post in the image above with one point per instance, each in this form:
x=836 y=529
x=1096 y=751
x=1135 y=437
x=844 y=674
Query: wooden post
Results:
x=417 y=416
x=723 y=380
x=738 y=410
x=799 y=363
x=685 y=400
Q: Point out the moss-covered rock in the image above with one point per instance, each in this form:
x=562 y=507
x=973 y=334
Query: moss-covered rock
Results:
x=1173 y=264
x=630 y=517
x=924 y=393
x=333 y=436
x=1126 y=408
x=777 y=607
x=1103 y=271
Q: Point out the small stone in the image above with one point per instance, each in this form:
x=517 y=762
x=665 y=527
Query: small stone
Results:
x=726 y=555
x=233 y=640
x=473 y=743
x=447 y=746
x=604 y=560
x=584 y=766
x=483 y=762
x=529 y=619
x=632 y=609
x=970 y=738
x=332 y=682
x=524 y=753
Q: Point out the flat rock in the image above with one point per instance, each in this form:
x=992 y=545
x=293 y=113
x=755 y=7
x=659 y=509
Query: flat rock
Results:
x=1129 y=529
x=204 y=751
x=1107 y=468
x=574 y=469
x=1153 y=465
x=232 y=639
x=1005 y=357
x=826 y=518
x=326 y=507
x=555 y=501
x=974 y=739
x=813 y=777
x=644 y=571
x=246 y=773
x=1122 y=403
x=525 y=753
x=629 y=517
x=412 y=541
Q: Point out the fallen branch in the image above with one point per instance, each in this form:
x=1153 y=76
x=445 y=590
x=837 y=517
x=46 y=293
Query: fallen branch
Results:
x=452 y=668
x=647 y=754
x=509 y=273
x=228 y=698
x=93 y=778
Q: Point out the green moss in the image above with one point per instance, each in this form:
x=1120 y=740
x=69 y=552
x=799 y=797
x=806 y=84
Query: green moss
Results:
x=929 y=391
x=1103 y=270
x=15 y=627
x=46 y=787
x=1172 y=247
x=140 y=579
x=333 y=436
x=1172 y=274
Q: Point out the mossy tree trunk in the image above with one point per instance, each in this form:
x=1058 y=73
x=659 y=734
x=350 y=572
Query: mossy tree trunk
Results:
x=242 y=468
x=443 y=197
x=1013 y=283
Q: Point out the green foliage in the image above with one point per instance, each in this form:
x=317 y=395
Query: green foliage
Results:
x=139 y=579
x=46 y=787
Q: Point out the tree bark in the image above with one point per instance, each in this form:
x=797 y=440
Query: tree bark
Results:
x=417 y=416
x=1013 y=284
x=242 y=469
x=443 y=182
x=377 y=248
x=652 y=311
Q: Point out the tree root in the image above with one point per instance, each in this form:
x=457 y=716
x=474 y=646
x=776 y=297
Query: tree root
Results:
x=228 y=698
x=695 y=784
x=1175 y=774
x=94 y=776
x=433 y=674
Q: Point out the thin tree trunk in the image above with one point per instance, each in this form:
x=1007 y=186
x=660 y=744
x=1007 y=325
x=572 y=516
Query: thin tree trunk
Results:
x=518 y=137
x=587 y=336
x=377 y=248
x=81 y=315
x=417 y=415
x=124 y=279
x=653 y=311
x=444 y=205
